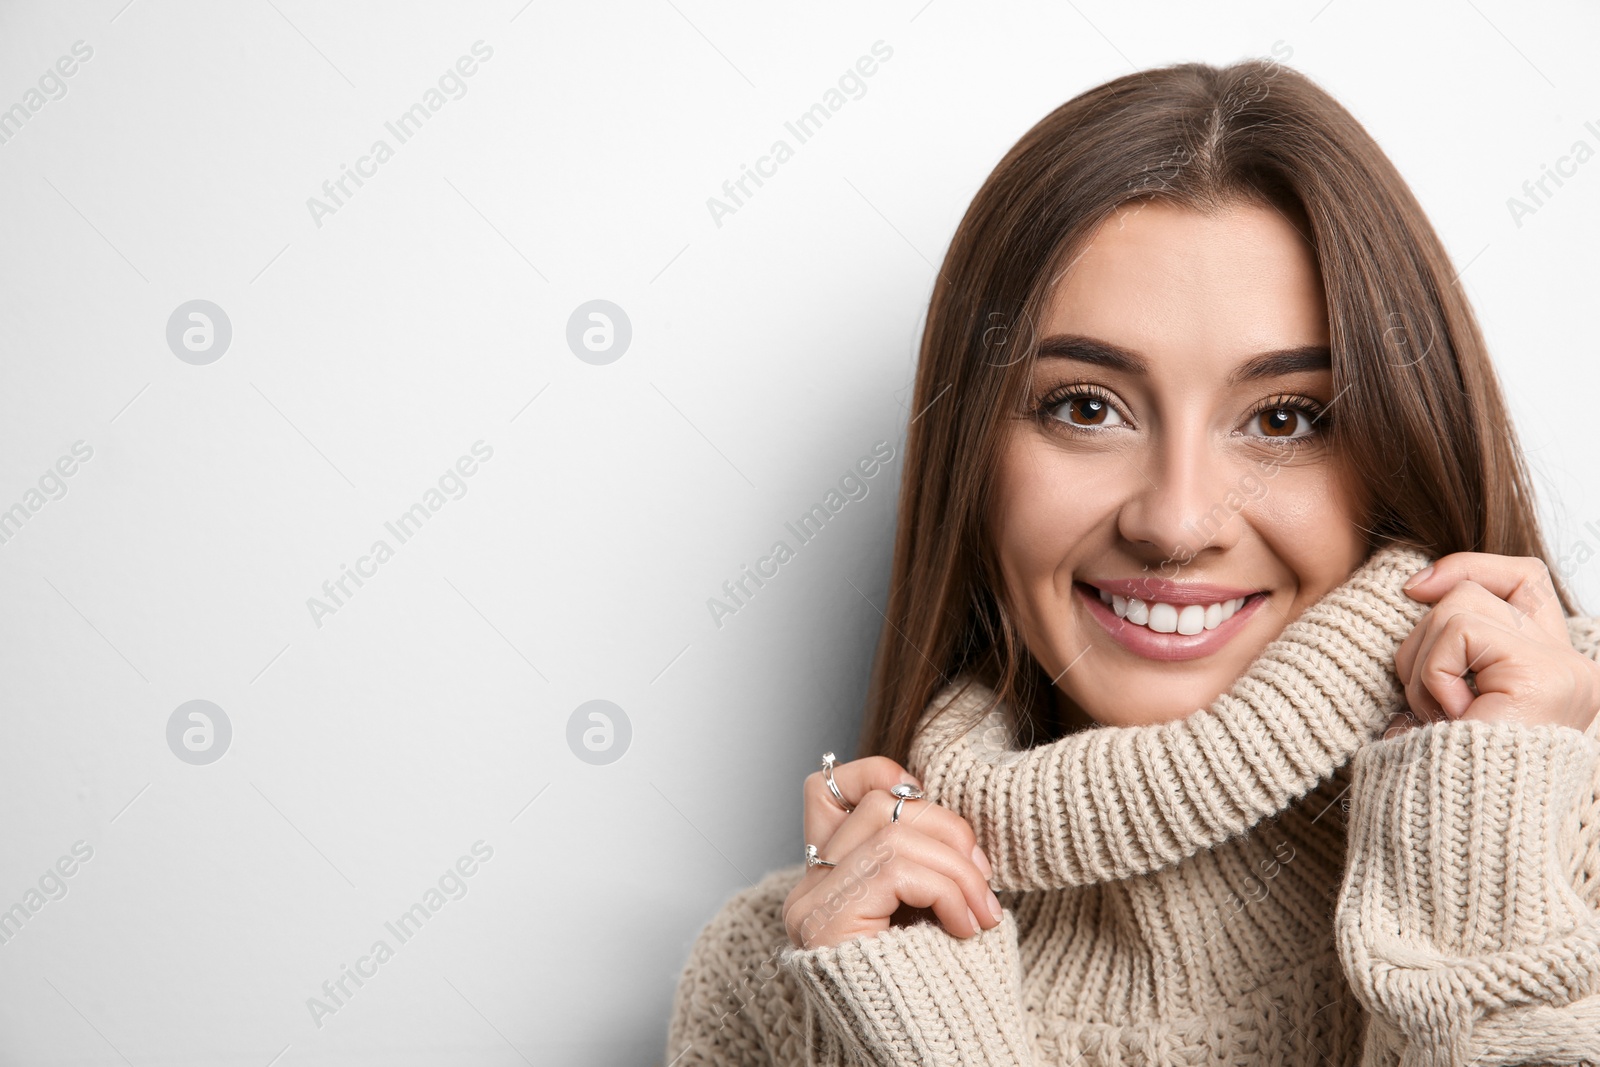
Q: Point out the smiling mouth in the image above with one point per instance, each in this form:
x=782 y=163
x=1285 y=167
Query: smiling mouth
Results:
x=1162 y=618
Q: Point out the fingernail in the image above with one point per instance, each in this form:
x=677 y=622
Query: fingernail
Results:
x=1419 y=577
x=983 y=862
x=994 y=906
x=973 y=919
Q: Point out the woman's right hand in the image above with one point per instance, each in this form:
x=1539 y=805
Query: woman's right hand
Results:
x=929 y=859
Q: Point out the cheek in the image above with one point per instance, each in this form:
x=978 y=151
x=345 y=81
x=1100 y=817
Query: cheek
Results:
x=1046 y=506
x=1312 y=522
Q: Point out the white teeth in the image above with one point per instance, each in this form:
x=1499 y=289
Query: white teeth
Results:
x=1173 y=618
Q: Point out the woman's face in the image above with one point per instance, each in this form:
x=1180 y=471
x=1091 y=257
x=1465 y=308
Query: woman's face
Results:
x=1173 y=460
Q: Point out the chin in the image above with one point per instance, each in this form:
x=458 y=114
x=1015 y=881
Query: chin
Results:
x=1149 y=696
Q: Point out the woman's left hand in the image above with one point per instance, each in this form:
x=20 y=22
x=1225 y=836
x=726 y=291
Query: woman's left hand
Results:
x=1497 y=617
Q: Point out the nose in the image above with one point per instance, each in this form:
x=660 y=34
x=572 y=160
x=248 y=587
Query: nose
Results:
x=1181 y=503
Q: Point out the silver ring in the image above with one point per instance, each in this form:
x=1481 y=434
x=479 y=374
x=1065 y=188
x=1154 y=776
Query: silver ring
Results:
x=902 y=793
x=833 y=787
x=814 y=860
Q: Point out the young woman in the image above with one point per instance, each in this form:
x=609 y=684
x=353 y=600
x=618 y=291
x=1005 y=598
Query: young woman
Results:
x=1226 y=710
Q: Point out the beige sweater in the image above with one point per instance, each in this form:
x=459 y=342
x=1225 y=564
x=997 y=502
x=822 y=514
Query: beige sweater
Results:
x=1266 y=881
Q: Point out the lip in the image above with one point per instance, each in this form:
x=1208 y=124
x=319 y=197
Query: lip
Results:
x=1143 y=641
x=1165 y=591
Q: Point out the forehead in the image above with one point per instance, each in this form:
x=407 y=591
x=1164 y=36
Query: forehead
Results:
x=1168 y=280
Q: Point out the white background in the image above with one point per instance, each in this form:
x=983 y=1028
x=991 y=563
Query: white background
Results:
x=769 y=354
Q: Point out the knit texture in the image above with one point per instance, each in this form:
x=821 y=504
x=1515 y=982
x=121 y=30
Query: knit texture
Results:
x=1265 y=881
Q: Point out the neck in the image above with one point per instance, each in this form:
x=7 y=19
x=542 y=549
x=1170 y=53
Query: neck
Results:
x=1069 y=716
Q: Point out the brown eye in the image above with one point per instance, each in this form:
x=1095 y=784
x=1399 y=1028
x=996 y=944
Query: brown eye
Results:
x=1090 y=410
x=1285 y=421
x=1082 y=410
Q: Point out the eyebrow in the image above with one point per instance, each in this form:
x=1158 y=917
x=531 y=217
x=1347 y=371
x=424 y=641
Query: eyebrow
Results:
x=1263 y=365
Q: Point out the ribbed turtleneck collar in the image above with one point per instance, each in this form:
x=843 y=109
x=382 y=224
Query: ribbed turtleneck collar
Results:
x=1111 y=802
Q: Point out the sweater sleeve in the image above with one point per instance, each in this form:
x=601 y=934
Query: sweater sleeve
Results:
x=712 y=1022
x=732 y=1007
x=915 y=995
x=1458 y=924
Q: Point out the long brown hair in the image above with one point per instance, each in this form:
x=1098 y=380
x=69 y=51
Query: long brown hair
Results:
x=1421 y=420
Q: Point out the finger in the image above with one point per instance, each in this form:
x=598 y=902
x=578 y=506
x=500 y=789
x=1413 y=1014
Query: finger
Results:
x=1420 y=701
x=861 y=895
x=955 y=862
x=1469 y=642
x=1467 y=595
x=1433 y=693
x=922 y=887
x=850 y=900
x=1399 y=723
x=836 y=912
x=924 y=851
x=823 y=815
x=1535 y=684
x=1522 y=581
x=876 y=810
x=1421 y=705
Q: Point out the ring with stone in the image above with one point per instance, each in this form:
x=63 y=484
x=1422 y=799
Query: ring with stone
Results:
x=833 y=787
x=902 y=793
x=814 y=860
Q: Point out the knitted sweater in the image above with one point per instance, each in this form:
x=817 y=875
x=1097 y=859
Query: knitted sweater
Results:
x=1266 y=881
